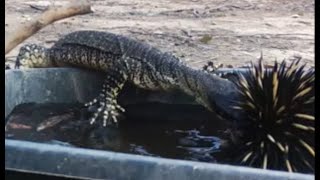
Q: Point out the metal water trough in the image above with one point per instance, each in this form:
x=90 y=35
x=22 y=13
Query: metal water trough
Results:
x=71 y=85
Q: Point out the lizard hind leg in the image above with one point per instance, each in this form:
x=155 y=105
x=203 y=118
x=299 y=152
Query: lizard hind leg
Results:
x=108 y=108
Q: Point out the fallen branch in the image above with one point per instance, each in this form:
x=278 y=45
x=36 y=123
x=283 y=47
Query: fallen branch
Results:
x=51 y=15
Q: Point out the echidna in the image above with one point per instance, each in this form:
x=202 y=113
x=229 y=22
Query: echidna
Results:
x=278 y=129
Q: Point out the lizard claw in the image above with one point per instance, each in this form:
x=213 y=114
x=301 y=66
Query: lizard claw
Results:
x=108 y=110
x=108 y=107
x=110 y=115
x=90 y=103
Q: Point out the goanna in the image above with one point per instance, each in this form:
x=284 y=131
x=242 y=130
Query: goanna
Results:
x=126 y=60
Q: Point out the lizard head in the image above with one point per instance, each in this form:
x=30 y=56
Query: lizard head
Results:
x=219 y=95
x=32 y=56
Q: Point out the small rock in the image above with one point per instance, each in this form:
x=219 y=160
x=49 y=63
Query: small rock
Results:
x=158 y=32
x=297 y=56
x=300 y=13
x=186 y=32
x=196 y=13
x=305 y=22
x=26 y=17
x=295 y=16
x=266 y=36
x=268 y=24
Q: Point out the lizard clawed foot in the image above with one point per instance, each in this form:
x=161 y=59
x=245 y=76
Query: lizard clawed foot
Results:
x=110 y=114
x=108 y=110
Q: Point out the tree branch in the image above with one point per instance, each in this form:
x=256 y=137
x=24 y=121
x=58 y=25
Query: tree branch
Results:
x=51 y=15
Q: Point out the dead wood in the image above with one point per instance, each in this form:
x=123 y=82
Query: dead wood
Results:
x=53 y=14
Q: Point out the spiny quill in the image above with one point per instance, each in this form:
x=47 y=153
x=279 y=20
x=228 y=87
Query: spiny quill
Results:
x=278 y=131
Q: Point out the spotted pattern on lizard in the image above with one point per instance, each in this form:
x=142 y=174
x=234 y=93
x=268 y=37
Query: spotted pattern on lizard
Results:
x=126 y=60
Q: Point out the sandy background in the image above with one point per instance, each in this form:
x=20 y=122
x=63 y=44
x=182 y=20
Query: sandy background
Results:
x=230 y=32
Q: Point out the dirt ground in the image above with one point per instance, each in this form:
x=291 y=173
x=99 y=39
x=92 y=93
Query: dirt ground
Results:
x=231 y=32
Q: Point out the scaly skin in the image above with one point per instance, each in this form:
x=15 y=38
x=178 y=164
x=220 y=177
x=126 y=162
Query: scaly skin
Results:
x=126 y=60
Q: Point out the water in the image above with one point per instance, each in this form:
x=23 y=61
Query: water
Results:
x=68 y=125
x=169 y=131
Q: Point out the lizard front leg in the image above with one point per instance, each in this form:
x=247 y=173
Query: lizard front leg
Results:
x=108 y=108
